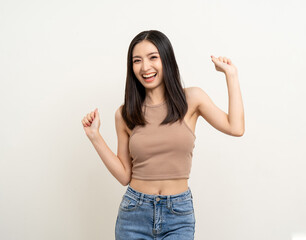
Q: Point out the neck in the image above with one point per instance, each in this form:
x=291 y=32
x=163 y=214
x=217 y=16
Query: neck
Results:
x=155 y=95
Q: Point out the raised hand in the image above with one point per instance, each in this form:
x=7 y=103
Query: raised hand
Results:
x=223 y=64
x=91 y=123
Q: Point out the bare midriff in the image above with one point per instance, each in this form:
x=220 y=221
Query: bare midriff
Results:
x=160 y=187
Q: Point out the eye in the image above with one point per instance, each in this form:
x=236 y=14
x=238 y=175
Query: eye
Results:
x=153 y=57
x=136 y=61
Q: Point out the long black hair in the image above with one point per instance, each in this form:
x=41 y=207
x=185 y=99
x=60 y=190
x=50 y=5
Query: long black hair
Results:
x=135 y=92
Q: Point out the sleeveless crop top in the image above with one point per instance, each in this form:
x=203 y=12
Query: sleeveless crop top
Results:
x=161 y=152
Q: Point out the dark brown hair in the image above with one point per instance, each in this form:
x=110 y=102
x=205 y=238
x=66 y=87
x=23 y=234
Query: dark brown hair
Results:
x=135 y=92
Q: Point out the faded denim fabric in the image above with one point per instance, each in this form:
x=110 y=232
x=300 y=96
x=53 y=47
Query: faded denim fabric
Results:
x=143 y=217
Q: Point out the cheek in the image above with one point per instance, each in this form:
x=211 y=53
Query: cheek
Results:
x=160 y=67
x=135 y=69
x=160 y=70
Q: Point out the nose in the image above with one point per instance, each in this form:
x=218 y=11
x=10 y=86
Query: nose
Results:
x=145 y=66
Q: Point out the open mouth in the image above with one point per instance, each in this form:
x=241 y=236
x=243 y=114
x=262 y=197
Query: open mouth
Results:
x=151 y=78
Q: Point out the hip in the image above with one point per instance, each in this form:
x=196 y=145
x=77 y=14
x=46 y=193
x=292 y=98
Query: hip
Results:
x=144 y=216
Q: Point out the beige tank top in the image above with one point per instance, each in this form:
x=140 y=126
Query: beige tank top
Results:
x=161 y=152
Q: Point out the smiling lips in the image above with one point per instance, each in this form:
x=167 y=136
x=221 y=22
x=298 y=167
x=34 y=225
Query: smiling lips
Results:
x=149 y=77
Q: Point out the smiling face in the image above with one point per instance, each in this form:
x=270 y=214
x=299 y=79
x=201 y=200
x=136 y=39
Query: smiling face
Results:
x=147 y=62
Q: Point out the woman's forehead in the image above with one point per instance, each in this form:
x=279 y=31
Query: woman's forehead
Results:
x=144 y=48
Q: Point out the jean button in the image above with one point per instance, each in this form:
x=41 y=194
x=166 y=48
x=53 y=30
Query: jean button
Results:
x=157 y=199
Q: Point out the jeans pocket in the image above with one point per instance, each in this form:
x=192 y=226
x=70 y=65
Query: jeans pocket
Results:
x=128 y=204
x=182 y=207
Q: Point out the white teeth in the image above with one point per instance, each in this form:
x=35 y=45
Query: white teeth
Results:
x=150 y=75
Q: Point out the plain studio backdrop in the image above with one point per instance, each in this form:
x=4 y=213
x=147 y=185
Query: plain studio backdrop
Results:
x=59 y=60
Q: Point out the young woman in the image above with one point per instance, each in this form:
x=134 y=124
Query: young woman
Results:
x=156 y=133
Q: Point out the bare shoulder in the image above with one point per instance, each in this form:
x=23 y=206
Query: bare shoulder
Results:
x=120 y=121
x=118 y=116
x=118 y=110
x=192 y=97
x=192 y=93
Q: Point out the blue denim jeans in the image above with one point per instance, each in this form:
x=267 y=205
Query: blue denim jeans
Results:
x=142 y=216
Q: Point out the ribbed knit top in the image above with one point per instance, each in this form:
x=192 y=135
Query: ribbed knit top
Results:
x=161 y=152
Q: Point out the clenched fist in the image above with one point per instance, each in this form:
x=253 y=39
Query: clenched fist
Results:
x=91 y=123
x=225 y=65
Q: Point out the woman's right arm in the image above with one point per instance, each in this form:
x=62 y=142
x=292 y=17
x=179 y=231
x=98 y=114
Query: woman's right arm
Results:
x=120 y=165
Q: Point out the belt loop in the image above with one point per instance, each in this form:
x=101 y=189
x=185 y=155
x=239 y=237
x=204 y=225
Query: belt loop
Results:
x=168 y=201
x=141 y=199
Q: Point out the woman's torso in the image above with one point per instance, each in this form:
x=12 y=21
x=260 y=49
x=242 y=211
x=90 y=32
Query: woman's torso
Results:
x=173 y=186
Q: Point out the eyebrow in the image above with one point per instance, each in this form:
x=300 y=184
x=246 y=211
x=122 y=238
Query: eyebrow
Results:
x=147 y=55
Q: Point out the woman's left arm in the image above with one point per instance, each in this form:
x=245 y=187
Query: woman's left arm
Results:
x=233 y=122
x=235 y=105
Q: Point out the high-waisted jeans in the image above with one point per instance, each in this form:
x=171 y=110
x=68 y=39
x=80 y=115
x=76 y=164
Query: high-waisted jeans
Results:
x=143 y=217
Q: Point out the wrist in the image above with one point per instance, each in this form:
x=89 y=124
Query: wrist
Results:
x=231 y=74
x=94 y=135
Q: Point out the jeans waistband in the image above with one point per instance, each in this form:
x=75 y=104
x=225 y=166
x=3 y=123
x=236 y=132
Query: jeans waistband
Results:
x=158 y=198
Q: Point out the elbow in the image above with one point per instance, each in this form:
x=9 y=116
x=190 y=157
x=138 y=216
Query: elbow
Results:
x=125 y=181
x=125 y=176
x=237 y=133
x=240 y=133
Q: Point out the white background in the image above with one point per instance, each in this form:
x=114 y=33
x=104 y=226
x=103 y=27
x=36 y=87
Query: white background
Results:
x=60 y=60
